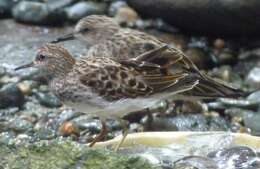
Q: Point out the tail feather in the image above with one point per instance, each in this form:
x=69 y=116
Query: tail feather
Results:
x=211 y=88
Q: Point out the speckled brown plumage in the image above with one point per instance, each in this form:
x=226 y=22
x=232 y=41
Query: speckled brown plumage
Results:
x=107 y=39
x=114 y=80
x=101 y=81
x=111 y=88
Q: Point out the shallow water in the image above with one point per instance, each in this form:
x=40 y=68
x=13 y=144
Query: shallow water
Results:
x=203 y=151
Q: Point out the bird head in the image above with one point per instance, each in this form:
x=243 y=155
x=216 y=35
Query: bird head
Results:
x=52 y=59
x=92 y=30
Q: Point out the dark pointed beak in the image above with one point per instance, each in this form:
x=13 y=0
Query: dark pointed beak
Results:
x=24 y=66
x=64 y=38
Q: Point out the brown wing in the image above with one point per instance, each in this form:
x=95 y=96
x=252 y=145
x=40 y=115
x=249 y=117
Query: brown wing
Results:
x=129 y=79
x=189 y=79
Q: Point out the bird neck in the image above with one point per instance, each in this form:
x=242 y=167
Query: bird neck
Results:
x=60 y=70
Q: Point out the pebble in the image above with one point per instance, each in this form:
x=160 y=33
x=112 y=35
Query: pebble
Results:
x=5 y=7
x=59 y=4
x=2 y=71
x=7 y=79
x=115 y=6
x=239 y=103
x=48 y=100
x=11 y=96
x=254 y=97
x=159 y=124
x=68 y=128
x=84 y=122
x=251 y=120
x=219 y=43
x=36 y=13
x=253 y=78
x=198 y=56
x=43 y=88
x=187 y=123
x=195 y=162
x=126 y=16
x=236 y=157
x=27 y=86
x=82 y=9
x=226 y=57
x=20 y=125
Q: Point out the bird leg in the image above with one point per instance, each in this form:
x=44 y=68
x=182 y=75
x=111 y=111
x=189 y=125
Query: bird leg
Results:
x=101 y=135
x=124 y=125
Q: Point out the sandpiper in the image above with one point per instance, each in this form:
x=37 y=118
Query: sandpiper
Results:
x=105 y=37
x=112 y=88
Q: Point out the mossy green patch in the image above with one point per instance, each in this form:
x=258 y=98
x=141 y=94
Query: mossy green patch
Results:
x=58 y=154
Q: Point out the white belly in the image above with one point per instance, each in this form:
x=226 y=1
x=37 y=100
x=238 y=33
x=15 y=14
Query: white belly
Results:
x=113 y=110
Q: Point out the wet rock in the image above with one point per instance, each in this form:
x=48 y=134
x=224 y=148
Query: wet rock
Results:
x=195 y=162
x=84 y=122
x=229 y=102
x=27 y=86
x=253 y=78
x=159 y=124
x=126 y=16
x=219 y=44
x=59 y=4
x=33 y=108
x=20 y=125
x=5 y=7
x=188 y=123
x=48 y=100
x=226 y=57
x=8 y=112
x=198 y=56
x=67 y=115
x=251 y=120
x=37 y=13
x=44 y=130
x=115 y=6
x=7 y=79
x=2 y=71
x=69 y=128
x=254 y=97
x=11 y=96
x=227 y=74
x=44 y=88
x=81 y=9
x=236 y=17
x=236 y=157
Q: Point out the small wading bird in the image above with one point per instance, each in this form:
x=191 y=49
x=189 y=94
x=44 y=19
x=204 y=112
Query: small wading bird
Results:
x=105 y=37
x=110 y=88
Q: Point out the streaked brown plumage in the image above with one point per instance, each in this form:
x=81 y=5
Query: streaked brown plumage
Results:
x=111 y=88
x=107 y=39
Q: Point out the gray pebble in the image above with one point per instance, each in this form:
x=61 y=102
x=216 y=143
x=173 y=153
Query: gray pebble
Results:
x=251 y=120
x=11 y=96
x=48 y=100
x=2 y=71
x=195 y=162
x=36 y=13
x=82 y=9
x=115 y=6
x=5 y=7
x=20 y=125
x=253 y=78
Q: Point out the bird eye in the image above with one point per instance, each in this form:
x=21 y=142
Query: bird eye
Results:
x=41 y=57
x=84 y=30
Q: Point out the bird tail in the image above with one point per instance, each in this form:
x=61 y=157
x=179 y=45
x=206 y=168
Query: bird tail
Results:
x=209 y=88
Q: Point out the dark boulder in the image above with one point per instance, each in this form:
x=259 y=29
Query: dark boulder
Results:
x=219 y=17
